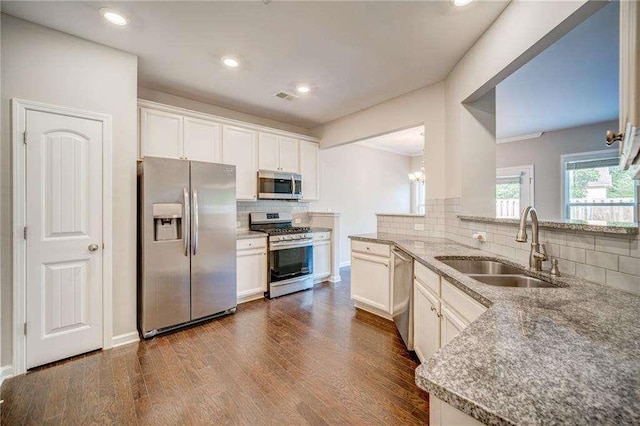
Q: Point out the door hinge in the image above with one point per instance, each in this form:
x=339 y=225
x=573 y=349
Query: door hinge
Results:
x=25 y=328
x=24 y=137
x=24 y=233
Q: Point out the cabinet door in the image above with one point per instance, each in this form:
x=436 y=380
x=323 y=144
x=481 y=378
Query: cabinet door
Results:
x=268 y=151
x=629 y=85
x=251 y=272
x=309 y=170
x=239 y=148
x=426 y=322
x=370 y=283
x=202 y=140
x=450 y=325
x=160 y=134
x=288 y=154
x=322 y=259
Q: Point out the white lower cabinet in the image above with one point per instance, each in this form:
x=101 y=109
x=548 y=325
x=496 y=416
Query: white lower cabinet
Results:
x=371 y=277
x=443 y=414
x=321 y=255
x=251 y=268
x=426 y=308
x=440 y=311
x=450 y=325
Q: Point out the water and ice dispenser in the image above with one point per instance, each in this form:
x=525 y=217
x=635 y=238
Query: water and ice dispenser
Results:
x=167 y=221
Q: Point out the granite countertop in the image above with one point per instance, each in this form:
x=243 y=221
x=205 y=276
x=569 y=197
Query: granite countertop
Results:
x=616 y=228
x=242 y=234
x=537 y=355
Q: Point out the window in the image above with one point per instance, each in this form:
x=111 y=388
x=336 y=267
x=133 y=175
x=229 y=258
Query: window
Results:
x=514 y=190
x=597 y=189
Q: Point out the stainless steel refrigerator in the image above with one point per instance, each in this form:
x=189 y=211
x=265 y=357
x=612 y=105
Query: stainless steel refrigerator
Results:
x=186 y=243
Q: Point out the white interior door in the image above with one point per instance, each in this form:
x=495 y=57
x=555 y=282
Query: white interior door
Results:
x=64 y=236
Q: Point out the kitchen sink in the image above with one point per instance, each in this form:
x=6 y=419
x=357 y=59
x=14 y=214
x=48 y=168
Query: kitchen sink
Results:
x=485 y=267
x=521 y=281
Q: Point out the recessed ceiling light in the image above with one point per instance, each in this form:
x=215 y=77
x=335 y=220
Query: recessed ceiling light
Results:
x=303 y=88
x=461 y=3
x=115 y=17
x=230 y=61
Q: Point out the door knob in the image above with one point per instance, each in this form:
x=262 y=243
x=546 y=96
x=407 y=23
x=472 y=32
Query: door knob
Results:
x=93 y=247
x=613 y=137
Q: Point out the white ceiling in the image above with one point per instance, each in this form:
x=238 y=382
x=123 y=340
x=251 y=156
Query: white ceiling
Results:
x=408 y=142
x=354 y=54
x=572 y=83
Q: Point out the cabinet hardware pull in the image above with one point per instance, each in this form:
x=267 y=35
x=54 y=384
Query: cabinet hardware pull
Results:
x=433 y=309
x=613 y=137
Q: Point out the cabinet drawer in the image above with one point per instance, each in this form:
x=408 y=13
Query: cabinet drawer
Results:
x=321 y=236
x=461 y=302
x=251 y=243
x=371 y=248
x=427 y=277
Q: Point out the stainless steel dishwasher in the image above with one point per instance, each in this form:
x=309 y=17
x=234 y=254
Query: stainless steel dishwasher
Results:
x=403 y=295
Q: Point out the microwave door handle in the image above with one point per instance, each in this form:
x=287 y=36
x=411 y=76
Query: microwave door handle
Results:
x=196 y=222
x=186 y=228
x=293 y=187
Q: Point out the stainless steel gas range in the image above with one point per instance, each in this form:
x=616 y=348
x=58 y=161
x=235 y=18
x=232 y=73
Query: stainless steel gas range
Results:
x=290 y=252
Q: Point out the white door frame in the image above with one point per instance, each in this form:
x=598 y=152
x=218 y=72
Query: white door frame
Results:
x=19 y=110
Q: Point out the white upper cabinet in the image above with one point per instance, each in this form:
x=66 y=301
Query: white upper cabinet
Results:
x=278 y=153
x=160 y=134
x=309 y=170
x=202 y=140
x=239 y=147
x=268 y=152
x=288 y=152
x=171 y=132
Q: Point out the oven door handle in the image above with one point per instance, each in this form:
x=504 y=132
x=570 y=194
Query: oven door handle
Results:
x=279 y=246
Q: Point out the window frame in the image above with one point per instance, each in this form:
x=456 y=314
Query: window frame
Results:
x=586 y=156
x=527 y=175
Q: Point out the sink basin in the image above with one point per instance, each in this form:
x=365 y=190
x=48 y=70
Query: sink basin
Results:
x=487 y=267
x=512 y=281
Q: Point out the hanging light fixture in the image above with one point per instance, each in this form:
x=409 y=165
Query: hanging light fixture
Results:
x=417 y=177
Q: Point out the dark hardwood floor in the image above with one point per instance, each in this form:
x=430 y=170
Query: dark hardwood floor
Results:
x=307 y=358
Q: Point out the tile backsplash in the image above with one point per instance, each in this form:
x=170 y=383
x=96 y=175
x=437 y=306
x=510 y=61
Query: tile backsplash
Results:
x=614 y=261
x=298 y=209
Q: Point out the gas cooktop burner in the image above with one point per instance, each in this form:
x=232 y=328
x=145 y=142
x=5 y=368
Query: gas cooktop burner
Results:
x=287 y=230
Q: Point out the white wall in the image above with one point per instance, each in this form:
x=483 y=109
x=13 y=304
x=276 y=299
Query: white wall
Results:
x=43 y=65
x=424 y=106
x=522 y=31
x=359 y=182
x=544 y=153
x=178 y=101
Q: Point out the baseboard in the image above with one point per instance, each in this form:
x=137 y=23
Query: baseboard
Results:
x=250 y=297
x=335 y=279
x=125 y=339
x=5 y=372
x=345 y=263
x=373 y=310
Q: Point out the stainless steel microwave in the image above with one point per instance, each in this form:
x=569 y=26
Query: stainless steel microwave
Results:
x=279 y=185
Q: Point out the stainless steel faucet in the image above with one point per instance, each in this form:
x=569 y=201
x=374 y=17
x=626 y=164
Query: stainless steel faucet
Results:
x=538 y=253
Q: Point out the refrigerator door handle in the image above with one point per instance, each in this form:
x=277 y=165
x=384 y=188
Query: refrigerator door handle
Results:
x=196 y=224
x=186 y=228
